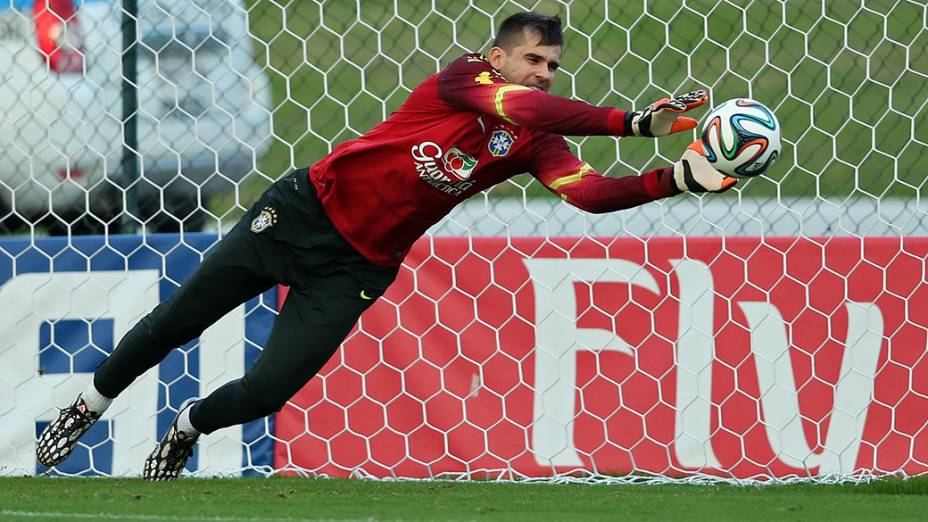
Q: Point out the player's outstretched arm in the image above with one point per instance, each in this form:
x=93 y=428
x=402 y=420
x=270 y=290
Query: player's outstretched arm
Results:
x=471 y=83
x=576 y=182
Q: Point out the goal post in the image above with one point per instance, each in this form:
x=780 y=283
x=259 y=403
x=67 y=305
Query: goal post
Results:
x=774 y=333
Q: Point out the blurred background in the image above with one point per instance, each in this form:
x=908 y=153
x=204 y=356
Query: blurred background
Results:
x=233 y=94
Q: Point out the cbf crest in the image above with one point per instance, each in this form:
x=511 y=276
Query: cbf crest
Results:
x=500 y=143
x=265 y=220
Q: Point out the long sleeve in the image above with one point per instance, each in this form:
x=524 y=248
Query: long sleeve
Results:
x=576 y=182
x=471 y=83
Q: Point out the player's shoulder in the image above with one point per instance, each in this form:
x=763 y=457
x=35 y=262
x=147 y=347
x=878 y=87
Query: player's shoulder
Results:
x=470 y=61
x=474 y=59
x=475 y=67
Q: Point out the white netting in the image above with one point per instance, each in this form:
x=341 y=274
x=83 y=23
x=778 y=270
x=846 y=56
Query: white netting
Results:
x=776 y=332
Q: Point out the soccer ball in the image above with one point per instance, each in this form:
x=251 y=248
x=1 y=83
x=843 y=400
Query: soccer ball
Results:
x=741 y=137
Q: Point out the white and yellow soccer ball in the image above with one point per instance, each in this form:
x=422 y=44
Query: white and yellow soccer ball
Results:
x=741 y=137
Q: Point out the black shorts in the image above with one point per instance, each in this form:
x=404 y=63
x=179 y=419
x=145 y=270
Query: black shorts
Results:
x=298 y=244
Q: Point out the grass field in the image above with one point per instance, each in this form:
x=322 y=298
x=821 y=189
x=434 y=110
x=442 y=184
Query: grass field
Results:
x=847 y=84
x=294 y=499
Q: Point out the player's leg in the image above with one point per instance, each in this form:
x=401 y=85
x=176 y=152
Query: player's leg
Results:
x=312 y=324
x=229 y=275
x=249 y=260
x=309 y=330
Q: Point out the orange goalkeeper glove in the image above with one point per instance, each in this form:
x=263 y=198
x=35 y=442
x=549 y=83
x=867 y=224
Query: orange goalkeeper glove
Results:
x=663 y=116
x=694 y=173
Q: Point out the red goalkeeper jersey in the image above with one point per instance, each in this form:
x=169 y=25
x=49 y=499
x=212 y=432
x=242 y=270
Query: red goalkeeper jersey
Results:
x=461 y=131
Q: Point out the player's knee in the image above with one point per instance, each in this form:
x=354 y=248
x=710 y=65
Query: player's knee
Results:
x=167 y=325
x=149 y=333
x=265 y=398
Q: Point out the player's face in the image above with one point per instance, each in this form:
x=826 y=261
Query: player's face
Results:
x=528 y=63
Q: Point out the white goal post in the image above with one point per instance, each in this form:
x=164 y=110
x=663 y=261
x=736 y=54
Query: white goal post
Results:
x=775 y=333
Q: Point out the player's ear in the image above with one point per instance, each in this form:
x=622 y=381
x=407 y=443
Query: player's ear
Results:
x=496 y=56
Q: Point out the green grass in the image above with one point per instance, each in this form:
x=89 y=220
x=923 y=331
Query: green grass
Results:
x=308 y=499
x=337 y=68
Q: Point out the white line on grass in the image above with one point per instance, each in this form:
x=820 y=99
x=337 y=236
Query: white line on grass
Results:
x=116 y=516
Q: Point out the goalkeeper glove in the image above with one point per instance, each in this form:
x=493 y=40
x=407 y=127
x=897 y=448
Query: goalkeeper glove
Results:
x=694 y=173
x=662 y=117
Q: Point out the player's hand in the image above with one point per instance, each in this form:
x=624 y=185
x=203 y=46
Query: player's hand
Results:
x=694 y=173
x=663 y=116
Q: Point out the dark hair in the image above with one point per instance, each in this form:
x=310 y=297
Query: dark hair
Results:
x=512 y=30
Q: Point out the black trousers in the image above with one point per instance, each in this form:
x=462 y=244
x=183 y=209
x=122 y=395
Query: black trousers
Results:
x=284 y=238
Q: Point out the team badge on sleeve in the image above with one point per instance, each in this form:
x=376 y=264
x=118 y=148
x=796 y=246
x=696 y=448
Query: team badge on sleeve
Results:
x=265 y=220
x=488 y=78
x=483 y=78
x=500 y=143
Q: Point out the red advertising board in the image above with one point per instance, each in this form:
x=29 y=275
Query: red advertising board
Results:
x=739 y=357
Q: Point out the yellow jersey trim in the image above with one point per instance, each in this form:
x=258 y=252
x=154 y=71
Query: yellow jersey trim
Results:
x=499 y=98
x=571 y=178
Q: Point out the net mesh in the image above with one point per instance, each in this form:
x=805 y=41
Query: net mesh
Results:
x=773 y=333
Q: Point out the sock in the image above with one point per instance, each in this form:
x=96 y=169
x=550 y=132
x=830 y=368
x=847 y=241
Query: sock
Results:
x=184 y=424
x=95 y=401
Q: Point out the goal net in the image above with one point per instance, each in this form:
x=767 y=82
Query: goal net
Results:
x=774 y=333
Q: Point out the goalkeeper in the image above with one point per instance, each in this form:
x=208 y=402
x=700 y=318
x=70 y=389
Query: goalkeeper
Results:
x=337 y=232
